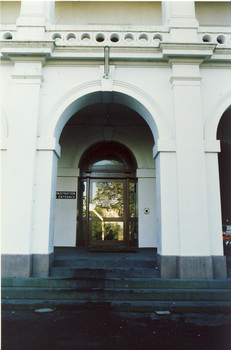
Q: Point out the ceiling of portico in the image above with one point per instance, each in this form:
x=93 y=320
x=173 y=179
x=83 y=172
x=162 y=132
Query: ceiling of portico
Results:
x=107 y=114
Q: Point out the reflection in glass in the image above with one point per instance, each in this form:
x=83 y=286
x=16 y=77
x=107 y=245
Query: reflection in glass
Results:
x=132 y=200
x=133 y=230
x=107 y=164
x=107 y=231
x=107 y=199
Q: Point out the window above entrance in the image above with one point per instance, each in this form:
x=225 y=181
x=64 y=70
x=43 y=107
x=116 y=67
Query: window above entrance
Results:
x=108 y=164
x=107 y=157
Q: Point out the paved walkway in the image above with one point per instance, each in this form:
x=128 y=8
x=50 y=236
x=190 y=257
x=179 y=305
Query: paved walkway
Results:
x=88 y=330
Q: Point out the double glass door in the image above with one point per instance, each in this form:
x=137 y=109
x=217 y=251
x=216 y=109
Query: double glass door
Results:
x=108 y=212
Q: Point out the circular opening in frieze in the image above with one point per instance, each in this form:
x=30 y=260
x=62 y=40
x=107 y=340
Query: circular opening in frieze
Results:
x=57 y=37
x=143 y=38
x=7 y=36
x=100 y=38
x=221 y=39
x=85 y=37
x=206 y=38
x=129 y=38
x=158 y=37
x=71 y=37
x=114 y=38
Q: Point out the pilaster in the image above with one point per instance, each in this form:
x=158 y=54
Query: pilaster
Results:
x=34 y=17
x=178 y=15
x=191 y=172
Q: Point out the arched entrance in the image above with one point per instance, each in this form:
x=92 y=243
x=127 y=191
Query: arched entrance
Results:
x=107 y=200
x=107 y=161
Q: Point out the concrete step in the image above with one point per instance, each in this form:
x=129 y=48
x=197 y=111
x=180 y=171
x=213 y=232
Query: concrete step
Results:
x=120 y=306
x=104 y=263
x=101 y=294
x=68 y=272
x=132 y=283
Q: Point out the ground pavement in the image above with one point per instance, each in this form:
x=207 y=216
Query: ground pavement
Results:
x=106 y=330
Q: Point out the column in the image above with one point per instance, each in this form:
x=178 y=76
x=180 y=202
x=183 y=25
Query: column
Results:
x=194 y=259
x=21 y=153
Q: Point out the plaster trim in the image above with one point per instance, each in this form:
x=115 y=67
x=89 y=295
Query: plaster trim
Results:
x=164 y=146
x=48 y=144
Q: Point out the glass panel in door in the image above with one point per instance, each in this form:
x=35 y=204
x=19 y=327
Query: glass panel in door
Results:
x=106 y=212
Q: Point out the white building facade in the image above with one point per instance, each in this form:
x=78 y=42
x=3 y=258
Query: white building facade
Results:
x=116 y=119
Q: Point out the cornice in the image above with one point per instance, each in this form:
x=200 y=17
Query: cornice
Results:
x=27 y=49
x=181 y=50
x=197 y=52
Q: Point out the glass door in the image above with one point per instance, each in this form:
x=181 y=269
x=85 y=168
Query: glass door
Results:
x=107 y=212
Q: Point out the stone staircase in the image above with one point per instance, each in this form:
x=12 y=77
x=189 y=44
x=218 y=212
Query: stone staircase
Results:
x=117 y=282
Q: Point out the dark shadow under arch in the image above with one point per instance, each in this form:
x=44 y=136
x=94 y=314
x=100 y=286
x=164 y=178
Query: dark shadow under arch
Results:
x=224 y=135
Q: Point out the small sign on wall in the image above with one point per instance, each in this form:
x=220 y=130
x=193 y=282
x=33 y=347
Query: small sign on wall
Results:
x=65 y=195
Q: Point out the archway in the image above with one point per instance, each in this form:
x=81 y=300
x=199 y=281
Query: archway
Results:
x=224 y=135
x=103 y=132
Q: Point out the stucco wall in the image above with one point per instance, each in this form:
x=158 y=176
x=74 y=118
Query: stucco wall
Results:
x=109 y=12
x=9 y=11
x=65 y=214
x=214 y=13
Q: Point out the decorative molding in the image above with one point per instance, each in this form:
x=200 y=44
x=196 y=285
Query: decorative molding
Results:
x=64 y=102
x=3 y=144
x=212 y=146
x=185 y=80
x=27 y=79
x=168 y=146
x=48 y=144
x=215 y=114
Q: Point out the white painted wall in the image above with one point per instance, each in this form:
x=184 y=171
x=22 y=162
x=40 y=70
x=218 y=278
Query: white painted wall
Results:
x=9 y=11
x=65 y=214
x=211 y=13
x=109 y=13
x=147 y=215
